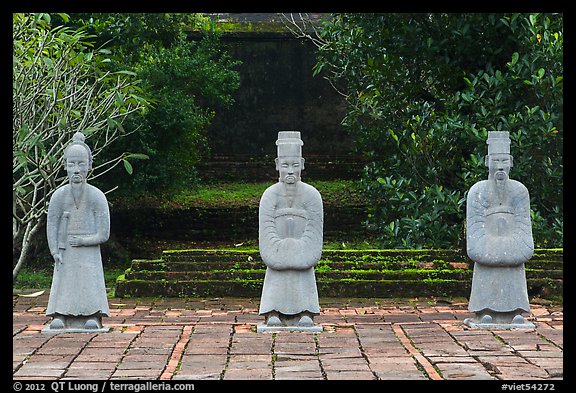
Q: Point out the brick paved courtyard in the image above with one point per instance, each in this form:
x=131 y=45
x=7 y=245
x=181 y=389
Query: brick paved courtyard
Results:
x=363 y=339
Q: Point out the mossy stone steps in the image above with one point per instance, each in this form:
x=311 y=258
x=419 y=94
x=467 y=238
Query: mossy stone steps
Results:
x=340 y=273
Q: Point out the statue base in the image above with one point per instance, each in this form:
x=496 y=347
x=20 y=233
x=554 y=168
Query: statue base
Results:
x=75 y=324
x=499 y=321
x=277 y=322
x=48 y=330
x=263 y=328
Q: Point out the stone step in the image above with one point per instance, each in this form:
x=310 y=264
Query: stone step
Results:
x=258 y=274
x=420 y=254
x=354 y=273
x=551 y=255
x=250 y=168
x=326 y=288
x=320 y=275
x=323 y=264
x=199 y=260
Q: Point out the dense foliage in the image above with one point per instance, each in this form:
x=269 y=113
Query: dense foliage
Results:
x=424 y=90
x=99 y=73
x=187 y=77
x=61 y=84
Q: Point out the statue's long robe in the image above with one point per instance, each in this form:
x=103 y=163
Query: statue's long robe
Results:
x=499 y=241
x=78 y=287
x=290 y=241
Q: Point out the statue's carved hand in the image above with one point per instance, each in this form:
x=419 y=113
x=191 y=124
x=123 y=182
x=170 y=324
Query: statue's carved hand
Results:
x=58 y=259
x=76 y=241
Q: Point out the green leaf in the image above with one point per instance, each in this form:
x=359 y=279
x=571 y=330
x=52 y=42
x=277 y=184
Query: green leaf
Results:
x=111 y=123
x=119 y=99
x=137 y=156
x=128 y=166
x=48 y=62
x=89 y=130
x=126 y=72
x=515 y=56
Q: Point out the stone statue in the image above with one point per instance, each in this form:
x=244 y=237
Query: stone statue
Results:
x=78 y=222
x=290 y=240
x=499 y=241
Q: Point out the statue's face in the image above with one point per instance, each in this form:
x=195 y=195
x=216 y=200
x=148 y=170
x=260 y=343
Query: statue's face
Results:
x=499 y=166
x=77 y=164
x=290 y=169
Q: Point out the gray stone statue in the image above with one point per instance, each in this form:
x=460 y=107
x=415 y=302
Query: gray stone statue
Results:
x=290 y=240
x=78 y=222
x=499 y=241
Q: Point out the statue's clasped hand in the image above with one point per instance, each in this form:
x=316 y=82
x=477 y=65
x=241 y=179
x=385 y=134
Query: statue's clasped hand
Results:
x=76 y=241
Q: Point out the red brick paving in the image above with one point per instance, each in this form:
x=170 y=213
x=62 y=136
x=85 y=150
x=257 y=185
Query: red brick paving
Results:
x=363 y=339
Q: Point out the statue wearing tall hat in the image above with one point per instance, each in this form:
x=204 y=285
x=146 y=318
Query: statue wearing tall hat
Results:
x=290 y=241
x=78 y=222
x=499 y=242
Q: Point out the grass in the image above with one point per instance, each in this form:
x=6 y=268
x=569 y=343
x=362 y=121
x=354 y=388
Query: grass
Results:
x=225 y=195
x=245 y=194
x=41 y=279
x=222 y=195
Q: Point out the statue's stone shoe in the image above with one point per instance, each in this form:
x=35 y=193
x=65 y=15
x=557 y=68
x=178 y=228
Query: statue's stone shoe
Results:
x=486 y=319
x=274 y=321
x=57 y=323
x=91 y=324
x=305 y=321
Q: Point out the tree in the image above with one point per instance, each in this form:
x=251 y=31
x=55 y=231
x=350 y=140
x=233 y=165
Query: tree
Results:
x=60 y=86
x=423 y=91
x=188 y=76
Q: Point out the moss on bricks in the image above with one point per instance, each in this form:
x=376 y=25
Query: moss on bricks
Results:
x=349 y=273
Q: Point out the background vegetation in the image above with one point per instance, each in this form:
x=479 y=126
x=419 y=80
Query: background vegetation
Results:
x=61 y=84
x=145 y=91
x=186 y=74
x=423 y=91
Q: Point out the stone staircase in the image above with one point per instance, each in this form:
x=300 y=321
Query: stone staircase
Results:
x=340 y=273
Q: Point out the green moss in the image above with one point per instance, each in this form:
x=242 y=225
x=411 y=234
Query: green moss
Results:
x=356 y=273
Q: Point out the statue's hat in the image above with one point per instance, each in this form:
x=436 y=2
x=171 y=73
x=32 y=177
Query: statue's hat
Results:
x=289 y=144
x=498 y=142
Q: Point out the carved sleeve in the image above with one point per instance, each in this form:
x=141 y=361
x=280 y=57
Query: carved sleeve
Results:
x=522 y=236
x=101 y=212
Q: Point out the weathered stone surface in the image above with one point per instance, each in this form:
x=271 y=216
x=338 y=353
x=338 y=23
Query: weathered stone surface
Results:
x=78 y=223
x=499 y=241
x=290 y=241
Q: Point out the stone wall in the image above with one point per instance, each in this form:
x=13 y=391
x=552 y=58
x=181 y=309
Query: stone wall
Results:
x=278 y=92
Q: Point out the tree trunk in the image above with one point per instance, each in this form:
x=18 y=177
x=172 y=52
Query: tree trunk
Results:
x=29 y=233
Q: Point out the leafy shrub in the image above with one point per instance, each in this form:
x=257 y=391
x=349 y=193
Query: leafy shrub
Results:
x=423 y=92
x=186 y=74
